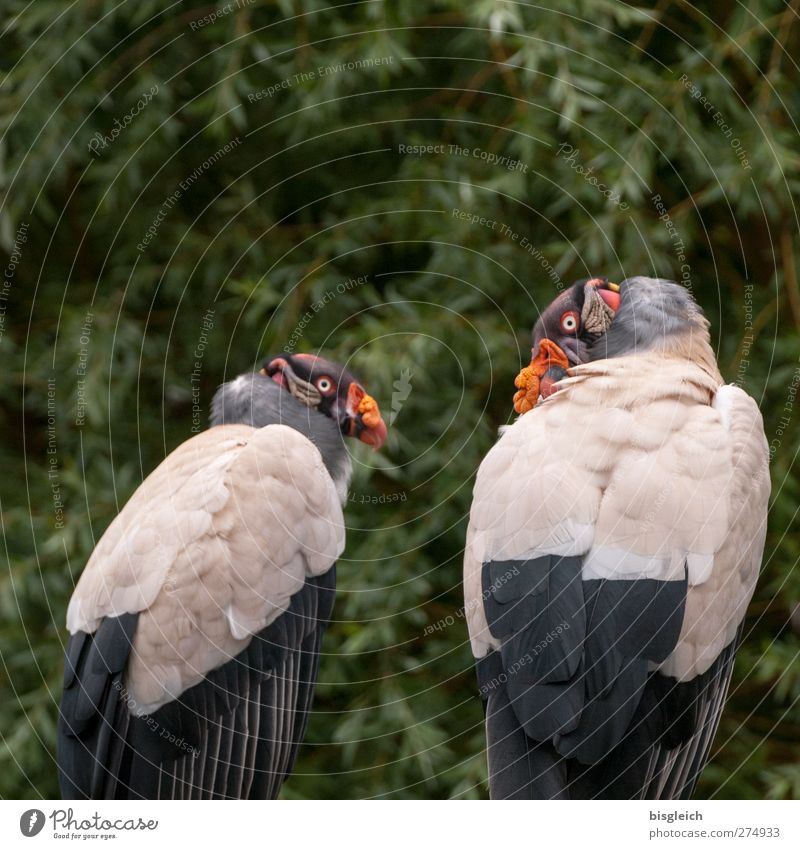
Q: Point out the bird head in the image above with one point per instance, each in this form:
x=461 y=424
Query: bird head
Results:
x=331 y=390
x=595 y=319
x=564 y=335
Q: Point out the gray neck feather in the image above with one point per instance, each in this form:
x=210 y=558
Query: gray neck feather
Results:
x=258 y=401
x=651 y=310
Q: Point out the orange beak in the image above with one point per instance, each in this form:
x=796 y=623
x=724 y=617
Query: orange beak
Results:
x=528 y=381
x=366 y=422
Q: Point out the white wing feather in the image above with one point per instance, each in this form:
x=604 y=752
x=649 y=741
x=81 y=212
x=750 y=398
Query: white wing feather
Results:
x=642 y=464
x=209 y=550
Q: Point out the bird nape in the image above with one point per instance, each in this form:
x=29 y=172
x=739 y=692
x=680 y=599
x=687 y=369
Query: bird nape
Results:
x=197 y=623
x=615 y=539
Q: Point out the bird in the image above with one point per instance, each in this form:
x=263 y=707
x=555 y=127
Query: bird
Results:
x=615 y=538
x=196 y=624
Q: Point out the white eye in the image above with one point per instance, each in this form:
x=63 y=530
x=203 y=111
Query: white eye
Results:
x=569 y=322
x=324 y=384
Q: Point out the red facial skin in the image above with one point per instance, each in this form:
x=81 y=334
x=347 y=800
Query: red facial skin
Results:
x=357 y=413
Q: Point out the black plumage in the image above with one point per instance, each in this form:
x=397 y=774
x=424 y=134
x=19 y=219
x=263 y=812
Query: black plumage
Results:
x=234 y=735
x=572 y=703
x=575 y=652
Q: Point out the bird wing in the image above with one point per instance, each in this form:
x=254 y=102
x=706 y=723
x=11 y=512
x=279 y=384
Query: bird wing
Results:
x=601 y=525
x=199 y=616
x=696 y=676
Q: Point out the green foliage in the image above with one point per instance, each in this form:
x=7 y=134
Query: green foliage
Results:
x=314 y=190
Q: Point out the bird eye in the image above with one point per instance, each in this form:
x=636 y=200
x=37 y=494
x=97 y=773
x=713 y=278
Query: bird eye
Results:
x=324 y=384
x=569 y=321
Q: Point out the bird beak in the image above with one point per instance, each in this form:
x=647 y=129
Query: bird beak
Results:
x=547 y=363
x=363 y=417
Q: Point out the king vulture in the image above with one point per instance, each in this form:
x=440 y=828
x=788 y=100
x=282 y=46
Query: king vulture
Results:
x=614 y=542
x=197 y=622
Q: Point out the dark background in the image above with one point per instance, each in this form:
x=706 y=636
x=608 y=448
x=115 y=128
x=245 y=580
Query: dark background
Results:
x=696 y=104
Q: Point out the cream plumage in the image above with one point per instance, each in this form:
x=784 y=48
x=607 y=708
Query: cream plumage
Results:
x=614 y=543
x=196 y=624
x=242 y=517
